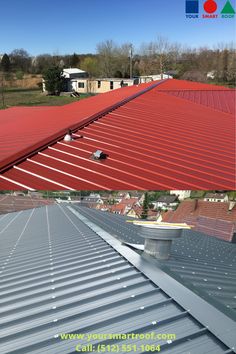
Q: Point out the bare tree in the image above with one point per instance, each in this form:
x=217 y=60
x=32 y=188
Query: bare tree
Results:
x=20 y=60
x=124 y=60
x=107 y=57
x=148 y=63
x=2 y=90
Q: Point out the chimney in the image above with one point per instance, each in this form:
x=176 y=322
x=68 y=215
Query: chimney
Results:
x=195 y=205
x=158 y=238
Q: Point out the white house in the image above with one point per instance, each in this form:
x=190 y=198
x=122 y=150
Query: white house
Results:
x=73 y=73
x=181 y=194
x=211 y=75
x=100 y=85
x=72 y=76
x=166 y=202
x=93 y=198
x=148 y=78
x=216 y=197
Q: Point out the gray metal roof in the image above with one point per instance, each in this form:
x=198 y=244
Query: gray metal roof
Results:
x=203 y=263
x=59 y=275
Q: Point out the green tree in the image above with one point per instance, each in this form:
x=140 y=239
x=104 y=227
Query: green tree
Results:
x=144 y=214
x=54 y=81
x=5 y=63
x=90 y=64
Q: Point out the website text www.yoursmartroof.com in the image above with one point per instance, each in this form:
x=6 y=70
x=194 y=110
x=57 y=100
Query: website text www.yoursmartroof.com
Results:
x=86 y=339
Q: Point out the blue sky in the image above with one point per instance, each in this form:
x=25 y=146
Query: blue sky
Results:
x=66 y=26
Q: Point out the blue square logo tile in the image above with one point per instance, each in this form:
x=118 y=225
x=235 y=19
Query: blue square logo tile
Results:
x=191 y=7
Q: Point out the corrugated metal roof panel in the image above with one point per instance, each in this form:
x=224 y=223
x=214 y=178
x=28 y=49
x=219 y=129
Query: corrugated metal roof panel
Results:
x=59 y=276
x=154 y=141
x=223 y=100
x=204 y=262
x=174 y=84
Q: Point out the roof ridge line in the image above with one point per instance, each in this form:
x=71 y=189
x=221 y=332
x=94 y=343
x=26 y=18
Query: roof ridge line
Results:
x=42 y=144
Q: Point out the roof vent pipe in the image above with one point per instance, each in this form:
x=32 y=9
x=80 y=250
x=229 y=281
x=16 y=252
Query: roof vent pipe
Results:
x=159 y=236
x=68 y=136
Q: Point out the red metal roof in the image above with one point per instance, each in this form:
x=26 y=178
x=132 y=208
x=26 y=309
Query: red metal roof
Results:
x=189 y=85
x=23 y=129
x=153 y=141
x=223 y=100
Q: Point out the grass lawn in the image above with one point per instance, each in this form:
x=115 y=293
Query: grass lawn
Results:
x=31 y=97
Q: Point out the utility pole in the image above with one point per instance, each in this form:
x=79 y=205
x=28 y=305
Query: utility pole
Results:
x=131 y=62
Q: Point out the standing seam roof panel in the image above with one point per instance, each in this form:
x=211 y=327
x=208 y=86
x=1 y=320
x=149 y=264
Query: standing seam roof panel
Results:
x=116 y=298
x=168 y=142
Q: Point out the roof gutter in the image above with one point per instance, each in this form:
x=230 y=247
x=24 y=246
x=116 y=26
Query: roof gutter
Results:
x=44 y=143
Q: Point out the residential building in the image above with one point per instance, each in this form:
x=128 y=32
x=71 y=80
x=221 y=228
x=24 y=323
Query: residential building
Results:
x=136 y=212
x=216 y=197
x=18 y=202
x=166 y=202
x=77 y=80
x=92 y=198
x=216 y=219
x=211 y=75
x=72 y=79
x=121 y=196
x=99 y=85
x=149 y=78
x=182 y=194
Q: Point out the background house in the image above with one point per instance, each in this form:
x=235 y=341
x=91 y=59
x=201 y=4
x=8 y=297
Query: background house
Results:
x=72 y=79
x=216 y=197
x=166 y=202
x=148 y=78
x=94 y=201
x=181 y=194
x=137 y=210
x=101 y=85
x=77 y=80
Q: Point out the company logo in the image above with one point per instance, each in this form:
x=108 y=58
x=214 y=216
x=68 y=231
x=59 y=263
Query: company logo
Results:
x=228 y=10
x=191 y=8
x=210 y=6
x=208 y=9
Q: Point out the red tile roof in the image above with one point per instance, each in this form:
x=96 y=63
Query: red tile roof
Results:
x=11 y=203
x=117 y=208
x=196 y=208
x=153 y=141
x=129 y=201
x=212 y=218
